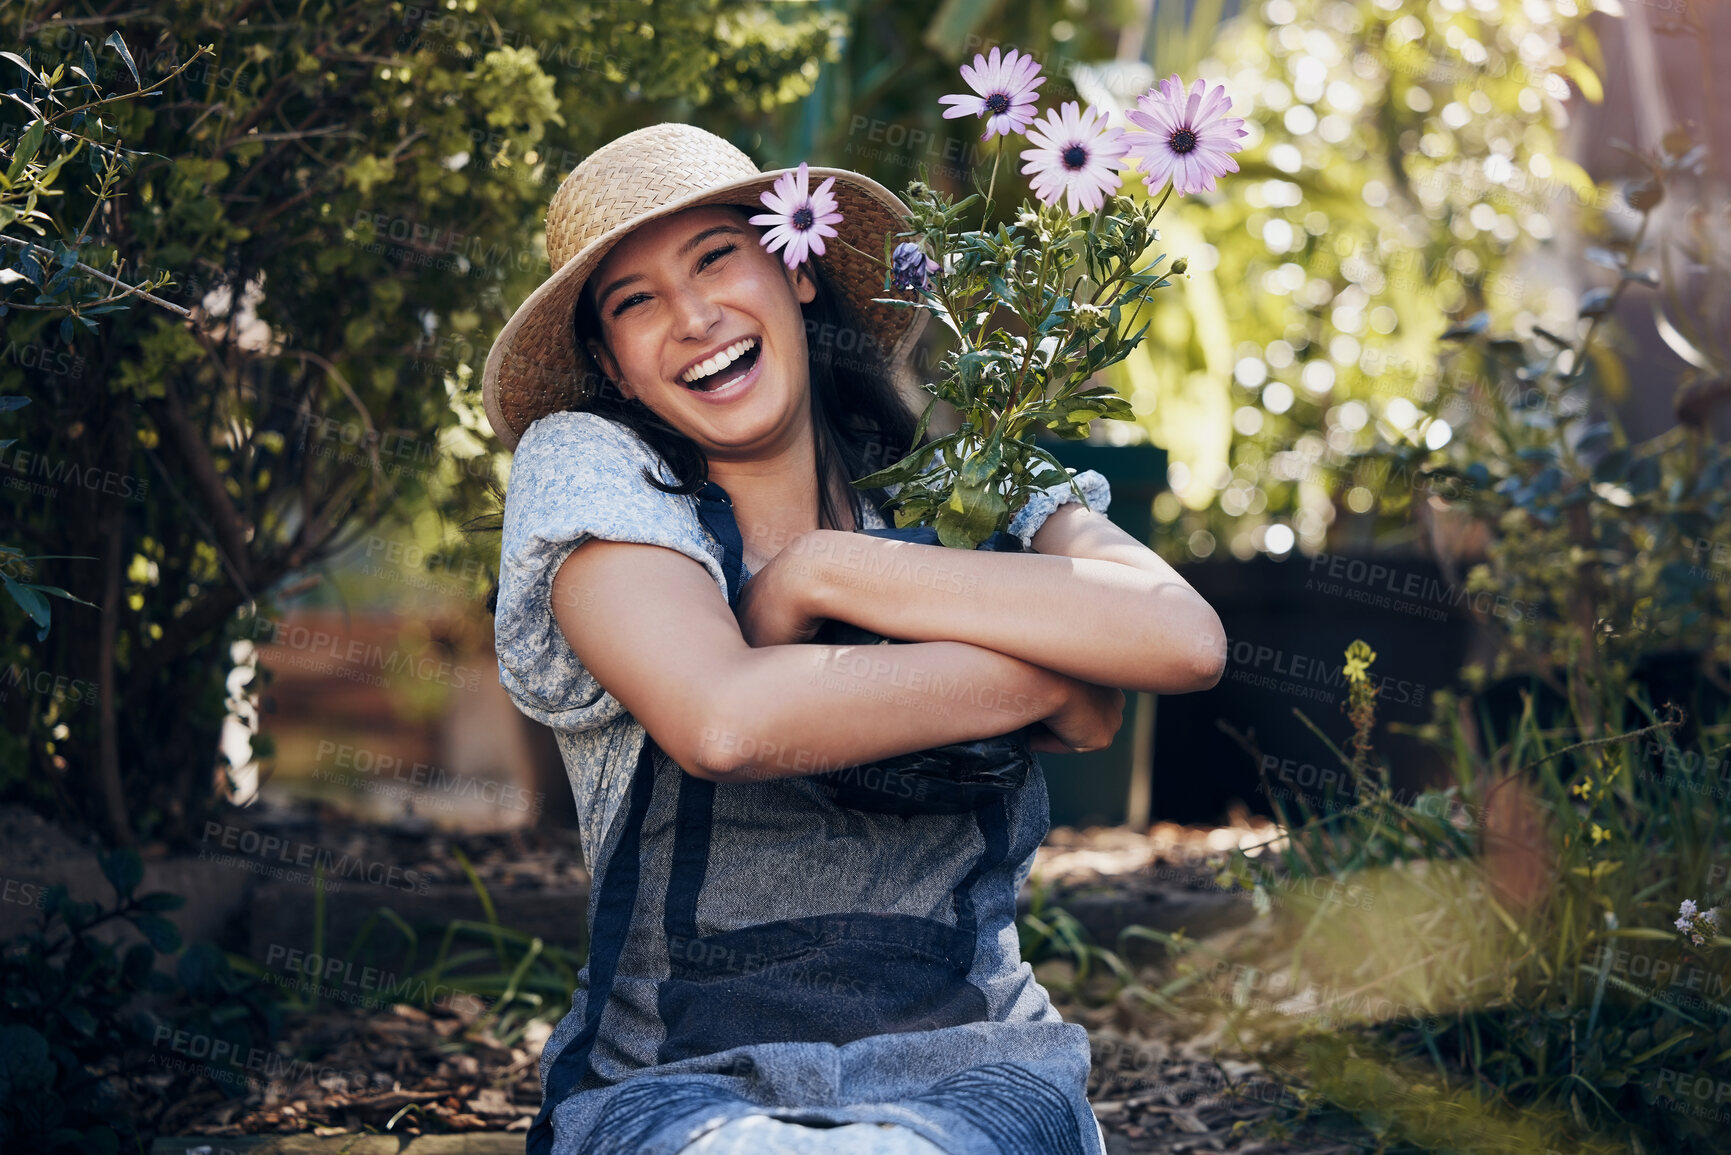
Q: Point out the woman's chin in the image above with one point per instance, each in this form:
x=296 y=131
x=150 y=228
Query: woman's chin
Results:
x=756 y=424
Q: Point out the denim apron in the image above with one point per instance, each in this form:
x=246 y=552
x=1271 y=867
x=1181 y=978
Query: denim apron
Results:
x=766 y=949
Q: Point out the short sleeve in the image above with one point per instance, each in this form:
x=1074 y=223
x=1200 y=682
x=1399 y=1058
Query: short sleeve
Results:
x=1032 y=516
x=574 y=476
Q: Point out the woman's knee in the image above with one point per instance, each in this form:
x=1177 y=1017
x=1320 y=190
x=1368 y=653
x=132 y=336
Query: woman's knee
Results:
x=766 y=1135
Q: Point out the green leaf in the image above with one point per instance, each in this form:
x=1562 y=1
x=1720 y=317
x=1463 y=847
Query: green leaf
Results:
x=124 y=870
x=970 y=516
x=900 y=473
x=163 y=935
x=925 y=419
x=1612 y=466
x=1594 y=438
x=31 y=602
x=80 y=1019
x=13 y=95
x=201 y=970
x=980 y=470
x=30 y=267
x=116 y=42
x=1644 y=475
x=28 y=144
x=88 y=59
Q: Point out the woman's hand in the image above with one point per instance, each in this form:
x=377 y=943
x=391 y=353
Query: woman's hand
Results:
x=1086 y=720
x=775 y=606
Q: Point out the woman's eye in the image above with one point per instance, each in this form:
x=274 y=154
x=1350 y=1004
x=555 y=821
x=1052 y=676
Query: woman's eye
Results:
x=714 y=254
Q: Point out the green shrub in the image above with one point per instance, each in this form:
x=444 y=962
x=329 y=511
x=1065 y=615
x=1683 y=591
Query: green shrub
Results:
x=71 y=1023
x=1615 y=550
x=348 y=202
x=1523 y=970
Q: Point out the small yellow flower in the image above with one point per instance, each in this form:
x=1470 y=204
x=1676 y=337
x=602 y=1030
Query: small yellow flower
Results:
x=1583 y=789
x=1358 y=659
x=1600 y=834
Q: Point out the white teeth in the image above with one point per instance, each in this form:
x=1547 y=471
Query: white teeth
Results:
x=722 y=359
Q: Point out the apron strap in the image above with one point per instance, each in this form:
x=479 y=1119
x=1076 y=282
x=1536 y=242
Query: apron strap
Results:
x=612 y=922
x=993 y=823
x=715 y=509
x=692 y=826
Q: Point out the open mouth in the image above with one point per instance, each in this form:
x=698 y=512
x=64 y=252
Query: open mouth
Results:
x=725 y=367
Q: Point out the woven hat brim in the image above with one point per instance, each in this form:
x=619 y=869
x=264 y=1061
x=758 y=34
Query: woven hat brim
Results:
x=534 y=367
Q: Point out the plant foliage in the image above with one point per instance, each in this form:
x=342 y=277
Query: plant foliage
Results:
x=1070 y=286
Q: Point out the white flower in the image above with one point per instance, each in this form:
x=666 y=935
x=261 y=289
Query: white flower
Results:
x=1003 y=92
x=1076 y=158
x=1184 y=136
x=801 y=216
x=1695 y=923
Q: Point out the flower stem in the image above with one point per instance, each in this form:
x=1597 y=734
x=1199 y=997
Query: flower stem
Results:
x=1164 y=199
x=872 y=257
x=991 y=187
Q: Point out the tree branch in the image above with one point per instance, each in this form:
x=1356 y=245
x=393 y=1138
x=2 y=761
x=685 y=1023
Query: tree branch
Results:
x=126 y=289
x=231 y=533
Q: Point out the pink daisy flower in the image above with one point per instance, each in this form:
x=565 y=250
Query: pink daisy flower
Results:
x=801 y=217
x=1187 y=137
x=1076 y=158
x=1005 y=88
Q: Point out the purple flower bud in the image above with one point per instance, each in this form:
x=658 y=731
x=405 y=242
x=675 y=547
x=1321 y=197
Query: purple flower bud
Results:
x=910 y=268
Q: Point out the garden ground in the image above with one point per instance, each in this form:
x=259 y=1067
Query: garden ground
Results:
x=388 y=1074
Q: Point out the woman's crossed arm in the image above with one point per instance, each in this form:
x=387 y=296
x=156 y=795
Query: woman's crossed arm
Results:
x=651 y=626
x=1092 y=602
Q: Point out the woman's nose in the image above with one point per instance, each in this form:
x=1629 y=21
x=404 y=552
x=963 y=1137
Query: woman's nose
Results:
x=694 y=314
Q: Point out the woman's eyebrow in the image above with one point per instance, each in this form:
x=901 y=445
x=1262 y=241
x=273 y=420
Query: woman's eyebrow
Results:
x=620 y=282
x=705 y=235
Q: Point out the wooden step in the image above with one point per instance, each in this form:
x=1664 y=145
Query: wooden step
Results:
x=467 y=1143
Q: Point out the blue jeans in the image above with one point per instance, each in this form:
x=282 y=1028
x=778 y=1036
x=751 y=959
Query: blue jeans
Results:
x=763 y=1135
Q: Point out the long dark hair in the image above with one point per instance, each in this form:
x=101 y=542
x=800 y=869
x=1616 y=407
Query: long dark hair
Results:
x=861 y=422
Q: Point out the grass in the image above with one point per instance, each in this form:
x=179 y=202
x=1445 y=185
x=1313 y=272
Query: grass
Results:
x=511 y=977
x=1490 y=966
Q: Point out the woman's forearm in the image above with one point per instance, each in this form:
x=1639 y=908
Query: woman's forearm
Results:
x=806 y=709
x=1097 y=620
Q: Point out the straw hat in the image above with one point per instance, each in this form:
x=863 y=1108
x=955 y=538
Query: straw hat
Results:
x=535 y=368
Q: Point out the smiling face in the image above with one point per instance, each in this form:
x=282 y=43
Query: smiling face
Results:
x=702 y=325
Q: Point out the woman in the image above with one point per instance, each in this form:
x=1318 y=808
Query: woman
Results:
x=770 y=967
